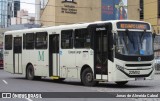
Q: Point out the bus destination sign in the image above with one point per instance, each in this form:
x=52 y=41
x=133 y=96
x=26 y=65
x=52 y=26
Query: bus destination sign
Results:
x=133 y=25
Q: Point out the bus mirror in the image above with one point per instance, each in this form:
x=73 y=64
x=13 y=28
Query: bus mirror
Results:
x=154 y=35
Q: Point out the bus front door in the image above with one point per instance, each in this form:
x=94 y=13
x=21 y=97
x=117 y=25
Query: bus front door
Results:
x=101 y=53
x=54 y=55
x=17 y=55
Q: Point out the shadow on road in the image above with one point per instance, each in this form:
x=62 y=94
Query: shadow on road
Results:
x=78 y=83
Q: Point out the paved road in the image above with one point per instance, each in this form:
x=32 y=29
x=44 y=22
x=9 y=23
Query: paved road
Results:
x=17 y=83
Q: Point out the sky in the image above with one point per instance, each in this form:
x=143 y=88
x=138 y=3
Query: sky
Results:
x=29 y=7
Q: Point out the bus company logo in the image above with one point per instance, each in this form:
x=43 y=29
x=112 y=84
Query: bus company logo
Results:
x=6 y=95
x=69 y=1
x=139 y=58
x=41 y=56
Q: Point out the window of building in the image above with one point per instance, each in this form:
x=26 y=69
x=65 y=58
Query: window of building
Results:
x=41 y=40
x=43 y=3
x=66 y=39
x=141 y=9
x=16 y=7
x=30 y=41
x=8 y=42
x=82 y=38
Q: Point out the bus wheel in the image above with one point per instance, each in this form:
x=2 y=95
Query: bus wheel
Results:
x=87 y=77
x=121 y=83
x=30 y=72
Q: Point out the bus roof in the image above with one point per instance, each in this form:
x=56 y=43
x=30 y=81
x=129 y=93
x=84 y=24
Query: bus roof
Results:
x=69 y=26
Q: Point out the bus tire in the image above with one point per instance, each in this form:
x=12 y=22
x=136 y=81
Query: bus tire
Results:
x=87 y=77
x=30 y=72
x=121 y=83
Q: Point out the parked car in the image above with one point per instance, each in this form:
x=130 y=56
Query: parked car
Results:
x=1 y=58
x=157 y=63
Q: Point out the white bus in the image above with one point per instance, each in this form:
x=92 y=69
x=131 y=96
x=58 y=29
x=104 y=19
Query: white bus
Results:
x=117 y=51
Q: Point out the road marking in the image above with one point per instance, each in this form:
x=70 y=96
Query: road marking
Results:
x=100 y=90
x=28 y=99
x=5 y=81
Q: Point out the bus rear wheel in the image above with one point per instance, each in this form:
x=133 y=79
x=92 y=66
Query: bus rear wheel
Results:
x=121 y=83
x=30 y=72
x=87 y=77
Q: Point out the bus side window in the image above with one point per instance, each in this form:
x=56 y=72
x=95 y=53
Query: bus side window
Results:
x=8 y=42
x=41 y=40
x=30 y=41
x=66 y=39
x=82 y=38
x=24 y=41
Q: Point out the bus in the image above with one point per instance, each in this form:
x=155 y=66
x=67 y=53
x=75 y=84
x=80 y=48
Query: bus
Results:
x=103 y=51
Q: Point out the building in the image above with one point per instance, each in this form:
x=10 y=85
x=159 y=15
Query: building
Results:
x=12 y=10
x=3 y=13
x=59 y=12
x=23 y=26
x=23 y=20
x=150 y=12
x=23 y=17
x=9 y=9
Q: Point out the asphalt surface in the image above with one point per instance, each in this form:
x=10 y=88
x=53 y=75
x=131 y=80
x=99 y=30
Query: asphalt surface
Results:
x=17 y=83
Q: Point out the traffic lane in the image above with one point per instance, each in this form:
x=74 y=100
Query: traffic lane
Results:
x=19 y=83
x=48 y=85
x=131 y=86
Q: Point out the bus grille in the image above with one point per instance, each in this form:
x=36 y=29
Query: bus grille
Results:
x=137 y=65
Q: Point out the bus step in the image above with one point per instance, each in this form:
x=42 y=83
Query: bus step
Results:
x=55 y=77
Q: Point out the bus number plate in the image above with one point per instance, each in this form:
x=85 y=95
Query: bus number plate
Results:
x=134 y=72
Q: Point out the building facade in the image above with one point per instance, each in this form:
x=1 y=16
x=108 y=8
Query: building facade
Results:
x=12 y=10
x=23 y=17
x=8 y=9
x=60 y=12
x=3 y=13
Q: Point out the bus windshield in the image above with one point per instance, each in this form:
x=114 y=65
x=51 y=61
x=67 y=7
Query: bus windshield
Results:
x=135 y=43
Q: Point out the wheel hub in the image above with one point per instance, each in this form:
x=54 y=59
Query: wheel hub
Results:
x=89 y=77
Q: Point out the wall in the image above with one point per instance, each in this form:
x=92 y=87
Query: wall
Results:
x=133 y=9
x=58 y=12
x=82 y=11
x=47 y=16
x=150 y=11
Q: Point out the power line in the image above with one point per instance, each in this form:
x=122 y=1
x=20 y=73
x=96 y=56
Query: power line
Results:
x=77 y=6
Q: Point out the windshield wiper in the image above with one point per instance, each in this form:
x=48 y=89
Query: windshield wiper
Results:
x=142 y=36
x=126 y=32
